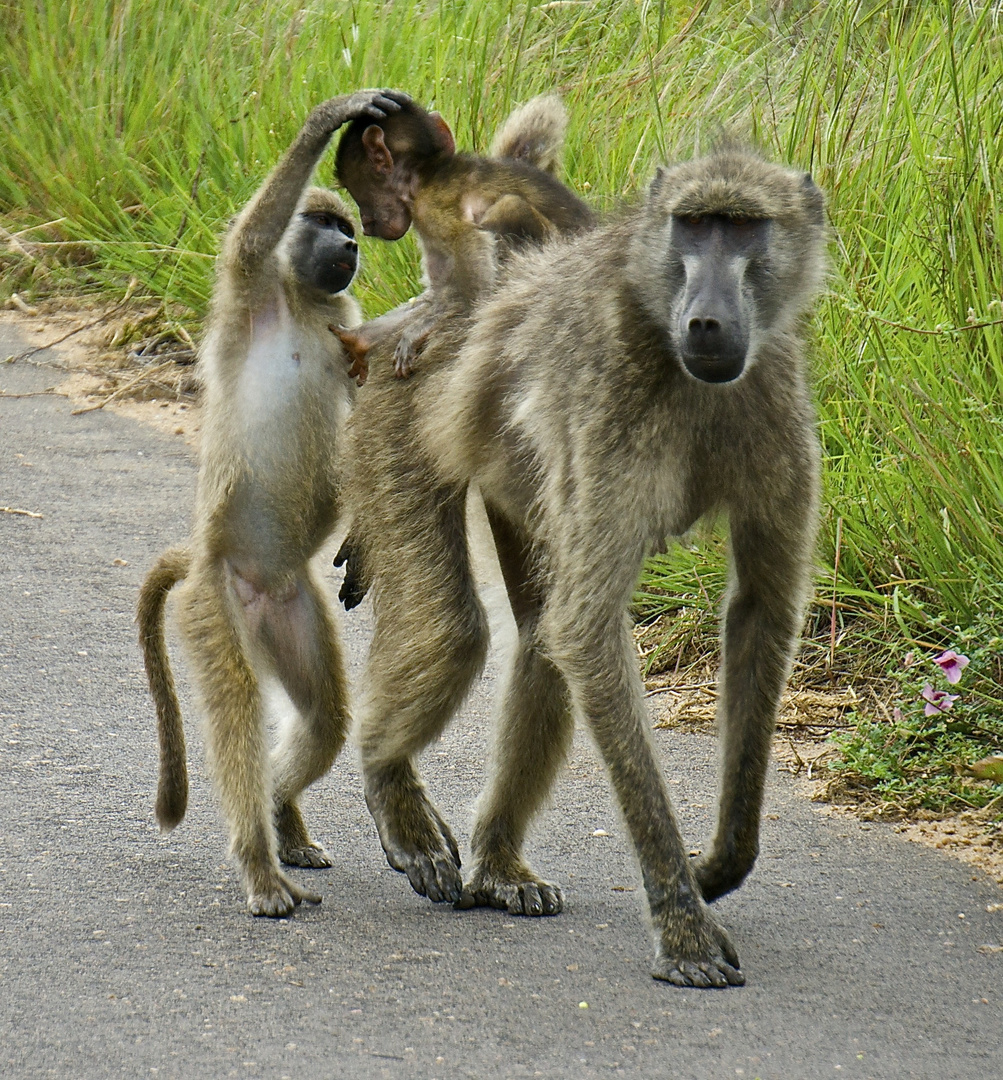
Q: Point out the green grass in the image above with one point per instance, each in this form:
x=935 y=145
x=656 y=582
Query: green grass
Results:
x=140 y=127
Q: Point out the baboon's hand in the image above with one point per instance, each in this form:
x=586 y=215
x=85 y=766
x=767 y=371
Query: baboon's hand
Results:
x=356 y=353
x=721 y=872
x=408 y=349
x=377 y=104
x=354 y=588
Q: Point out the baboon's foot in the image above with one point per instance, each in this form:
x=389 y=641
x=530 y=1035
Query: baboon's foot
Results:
x=277 y=896
x=409 y=348
x=294 y=843
x=721 y=873
x=310 y=856
x=515 y=889
x=419 y=843
x=694 y=951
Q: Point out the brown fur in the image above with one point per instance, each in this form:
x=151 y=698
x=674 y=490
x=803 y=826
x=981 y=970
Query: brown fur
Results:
x=534 y=133
x=566 y=402
x=406 y=169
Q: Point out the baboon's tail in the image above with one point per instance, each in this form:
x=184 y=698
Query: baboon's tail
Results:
x=534 y=133
x=172 y=788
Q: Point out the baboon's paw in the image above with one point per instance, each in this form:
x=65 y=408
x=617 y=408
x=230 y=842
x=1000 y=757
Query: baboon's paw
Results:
x=419 y=843
x=311 y=856
x=279 y=897
x=447 y=835
x=432 y=873
x=704 y=974
x=707 y=960
x=404 y=356
x=521 y=894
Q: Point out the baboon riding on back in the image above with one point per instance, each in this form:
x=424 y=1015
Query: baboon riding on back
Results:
x=616 y=388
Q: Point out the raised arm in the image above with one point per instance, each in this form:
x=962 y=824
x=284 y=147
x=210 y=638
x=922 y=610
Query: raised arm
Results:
x=261 y=224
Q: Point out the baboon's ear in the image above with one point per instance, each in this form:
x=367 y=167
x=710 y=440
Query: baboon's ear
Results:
x=377 y=151
x=656 y=185
x=442 y=136
x=814 y=199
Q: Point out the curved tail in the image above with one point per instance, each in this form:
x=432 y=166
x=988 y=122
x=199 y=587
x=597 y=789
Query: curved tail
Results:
x=172 y=788
x=534 y=133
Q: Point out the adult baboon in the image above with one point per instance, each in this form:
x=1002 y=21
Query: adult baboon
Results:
x=277 y=392
x=616 y=388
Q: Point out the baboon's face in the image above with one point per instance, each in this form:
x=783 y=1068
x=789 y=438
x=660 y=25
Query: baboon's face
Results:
x=732 y=251
x=384 y=213
x=324 y=254
x=719 y=259
x=381 y=185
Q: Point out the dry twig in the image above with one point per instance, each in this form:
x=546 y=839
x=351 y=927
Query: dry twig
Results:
x=48 y=391
x=120 y=390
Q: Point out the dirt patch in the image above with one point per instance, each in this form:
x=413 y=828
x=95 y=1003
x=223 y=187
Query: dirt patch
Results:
x=965 y=837
x=127 y=358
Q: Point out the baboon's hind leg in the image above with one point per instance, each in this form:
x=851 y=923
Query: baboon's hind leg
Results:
x=429 y=645
x=303 y=646
x=531 y=742
x=236 y=737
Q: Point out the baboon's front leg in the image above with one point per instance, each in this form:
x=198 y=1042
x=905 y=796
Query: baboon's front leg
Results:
x=691 y=949
x=763 y=616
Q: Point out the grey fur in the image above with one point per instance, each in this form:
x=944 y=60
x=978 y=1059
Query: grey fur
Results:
x=564 y=400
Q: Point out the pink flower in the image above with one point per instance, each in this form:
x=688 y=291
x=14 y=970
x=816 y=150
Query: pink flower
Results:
x=952 y=664
x=897 y=715
x=937 y=701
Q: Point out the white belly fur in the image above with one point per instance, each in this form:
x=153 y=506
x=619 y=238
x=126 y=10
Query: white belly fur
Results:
x=286 y=371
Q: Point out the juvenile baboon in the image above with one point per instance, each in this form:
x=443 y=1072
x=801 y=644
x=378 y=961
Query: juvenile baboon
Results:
x=405 y=169
x=598 y=413
x=277 y=393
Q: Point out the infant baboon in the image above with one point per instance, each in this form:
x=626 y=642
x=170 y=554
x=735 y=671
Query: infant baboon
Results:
x=533 y=137
x=405 y=168
x=598 y=413
x=277 y=393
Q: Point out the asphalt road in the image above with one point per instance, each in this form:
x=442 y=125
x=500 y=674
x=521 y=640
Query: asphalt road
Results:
x=128 y=953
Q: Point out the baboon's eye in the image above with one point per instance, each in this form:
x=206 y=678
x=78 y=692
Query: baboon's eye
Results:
x=739 y=219
x=346 y=227
x=693 y=219
x=320 y=219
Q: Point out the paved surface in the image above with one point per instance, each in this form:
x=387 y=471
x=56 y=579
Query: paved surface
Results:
x=124 y=952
